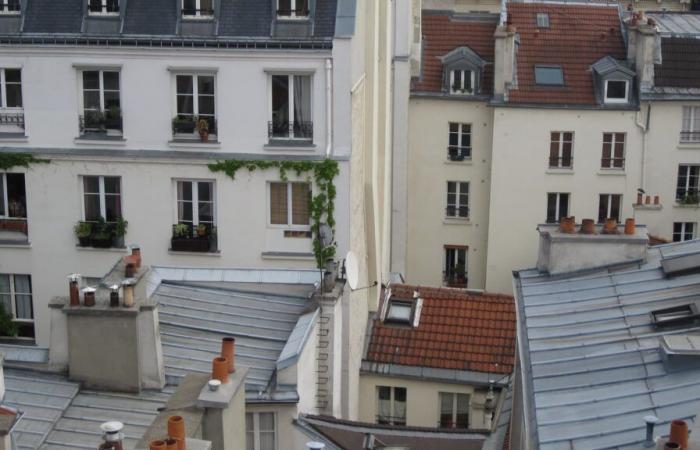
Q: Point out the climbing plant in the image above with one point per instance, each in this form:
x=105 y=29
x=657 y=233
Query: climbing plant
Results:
x=10 y=160
x=322 y=204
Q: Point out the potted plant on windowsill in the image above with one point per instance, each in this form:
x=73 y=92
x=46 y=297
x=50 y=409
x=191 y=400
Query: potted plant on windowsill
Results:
x=113 y=118
x=102 y=234
x=82 y=231
x=94 y=121
x=690 y=198
x=8 y=327
x=184 y=124
x=120 y=231
x=203 y=129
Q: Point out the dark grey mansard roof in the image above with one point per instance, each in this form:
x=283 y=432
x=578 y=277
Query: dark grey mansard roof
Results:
x=160 y=19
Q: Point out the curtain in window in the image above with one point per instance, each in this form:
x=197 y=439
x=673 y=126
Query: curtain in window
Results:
x=462 y=411
x=5 y=298
x=23 y=296
x=184 y=201
x=266 y=422
x=399 y=406
x=112 y=5
x=205 y=202
x=445 y=410
x=383 y=404
x=206 y=6
x=301 y=197
x=302 y=106
x=278 y=203
x=91 y=191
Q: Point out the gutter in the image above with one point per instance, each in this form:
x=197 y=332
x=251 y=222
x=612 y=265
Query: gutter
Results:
x=329 y=107
x=644 y=127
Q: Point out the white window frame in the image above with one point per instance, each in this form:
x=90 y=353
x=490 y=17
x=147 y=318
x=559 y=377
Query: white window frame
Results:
x=256 y=429
x=289 y=225
x=460 y=134
x=102 y=194
x=290 y=101
x=611 y=165
x=101 y=71
x=293 y=12
x=542 y=20
x=560 y=150
x=3 y=86
x=455 y=260
x=617 y=100
x=198 y=12
x=457 y=204
x=195 y=199
x=454 y=408
x=103 y=11
x=688 y=187
x=462 y=90
x=557 y=213
x=392 y=402
x=689 y=116
x=195 y=92
x=7 y=11
x=13 y=301
x=684 y=231
x=609 y=211
x=6 y=199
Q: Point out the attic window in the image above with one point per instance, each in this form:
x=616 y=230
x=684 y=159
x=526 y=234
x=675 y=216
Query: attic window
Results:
x=677 y=316
x=462 y=82
x=102 y=6
x=10 y=7
x=293 y=8
x=549 y=75
x=399 y=311
x=543 y=20
x=616 y=91
x=197 y=8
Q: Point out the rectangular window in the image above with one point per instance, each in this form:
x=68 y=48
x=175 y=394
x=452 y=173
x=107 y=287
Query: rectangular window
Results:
x=101 y=101
x=460 y=139
x=613 y=151
x=457 y=199
x=290 y=203
x=690 y=129
x=103 y=6
x=557 y=206
x=391 y=405
x=196 y=101
x=609 y=207
x=10 y=7
x=543 y=20
x=10 y=88
x=561 y=149
x=16 y=299
x=454 y=410
x=13 y=196
x=102 y=198
x=683 y=231
x=687 y=184
x=549 y=75
x=293 y=8
x=260 y=430
x=616 y=91
x=195 y=203
x=455 y=274
x=291 y=107
x=462 y=82
x=399 y=311
x=197 y=8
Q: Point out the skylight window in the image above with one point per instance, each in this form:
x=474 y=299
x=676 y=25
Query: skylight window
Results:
x=543 y=20
x=616 y=91
x=399 y=311
x=677 y=316
x=549 y=75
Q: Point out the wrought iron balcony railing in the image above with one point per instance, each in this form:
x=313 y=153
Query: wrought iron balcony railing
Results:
x=457 y=211
x=458 y=152
x=291 y=130
x=12 y=118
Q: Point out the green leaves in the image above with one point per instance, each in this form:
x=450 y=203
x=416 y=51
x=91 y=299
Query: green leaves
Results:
x=322 y=204
x=10 y=160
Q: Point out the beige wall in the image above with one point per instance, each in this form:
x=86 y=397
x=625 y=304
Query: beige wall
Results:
x=428 y=172
x=521 y=179
x=422 y=400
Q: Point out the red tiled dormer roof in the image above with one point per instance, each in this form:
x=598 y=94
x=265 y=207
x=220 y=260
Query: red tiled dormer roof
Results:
x=578 y=36
x=443 y=33
x=457 y=330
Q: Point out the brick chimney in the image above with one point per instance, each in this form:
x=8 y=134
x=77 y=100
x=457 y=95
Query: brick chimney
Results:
x=643 y=48
x=504 y=61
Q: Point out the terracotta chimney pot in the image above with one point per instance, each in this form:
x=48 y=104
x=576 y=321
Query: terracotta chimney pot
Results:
x=639 y=199
x=219 y=369
x=679 y=433
x=670 y=445
x=171 y=444
x=630 y=227
x=610 y=226
x=130 y=270
x=74 y=292
x=656 y=200
x=228 y=351
x=157 y=445
x=588 y=226
x=136 y=253
x=647 y=200
x=176 y=430
x=108 y=446
x=567 y=225
x=89 y=296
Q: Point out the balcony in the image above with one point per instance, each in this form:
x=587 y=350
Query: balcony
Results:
x=690 y=136
x=458 y=153
x=200 y=239
x=192 y=128
x=457 y=211
x=456 y=277
x=101 y=124
x=292 y=133
x=13 y=230
x=564 y=162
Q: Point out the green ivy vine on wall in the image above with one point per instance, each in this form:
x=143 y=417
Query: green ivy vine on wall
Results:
x=10 y=160
x=322 y=204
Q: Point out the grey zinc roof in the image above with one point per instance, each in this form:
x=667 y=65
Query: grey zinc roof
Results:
x=677 y=23
x=50 y=16
x=590 y=354
x=150 y=17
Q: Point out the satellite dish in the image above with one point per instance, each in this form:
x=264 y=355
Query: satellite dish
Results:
x=352 y=270
x=326 y=234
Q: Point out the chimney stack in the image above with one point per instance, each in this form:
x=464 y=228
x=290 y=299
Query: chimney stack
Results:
x=112 y=435
x=643 y=48
x=504 y=61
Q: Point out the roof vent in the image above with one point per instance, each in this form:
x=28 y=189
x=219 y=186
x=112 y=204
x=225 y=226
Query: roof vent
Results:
x=680 y=351
x=543 y=20
x=679 y=264
x=403 y=310
x=676 y=316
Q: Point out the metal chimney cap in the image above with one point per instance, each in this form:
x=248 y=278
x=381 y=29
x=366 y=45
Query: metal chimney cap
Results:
x=112 y=427
x=651 y=419
x=313 y=445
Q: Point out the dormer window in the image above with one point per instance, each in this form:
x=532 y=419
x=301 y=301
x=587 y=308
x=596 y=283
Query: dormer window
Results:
x=616 y=91
x=293 y=8
x=542 y=20
x=10 y=7
x=197 y=8
x=462 y=82
x=399 y=311
x=103 y=6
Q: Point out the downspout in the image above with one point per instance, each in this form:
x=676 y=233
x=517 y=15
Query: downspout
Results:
x=329 y=107
x=644 y=126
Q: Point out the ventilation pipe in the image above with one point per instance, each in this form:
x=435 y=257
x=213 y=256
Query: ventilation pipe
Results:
x=112 y=435
x=650 y=422
x=329 y=107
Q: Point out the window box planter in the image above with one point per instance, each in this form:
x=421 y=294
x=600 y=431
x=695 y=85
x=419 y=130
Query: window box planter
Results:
x=196 y=244
x=101 y=241
x=184 y=126
x=185 y=238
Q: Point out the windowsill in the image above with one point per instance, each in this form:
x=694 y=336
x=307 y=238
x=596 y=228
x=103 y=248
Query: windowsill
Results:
x=290 y=144
x=8 y=243
x=288 y=255
x=560 y=171
x=293 y=18
x=689 y=145
x=687 y=206
x=189 y=143
x=456 y=221
x=97 y=249
x=198 y=18
x=209 y=254
x=618 y=172
x=647 y=207
x=95 y=139
x=13 y=137
x=463 y=162
x=103 y=15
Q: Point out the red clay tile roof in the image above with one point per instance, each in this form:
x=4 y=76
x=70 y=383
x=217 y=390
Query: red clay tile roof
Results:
x=578 y=36
x=457 y=330
x=442 y=34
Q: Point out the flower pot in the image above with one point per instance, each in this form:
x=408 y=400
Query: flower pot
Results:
x=157 y=445
x=84 y=241
x=587 y=226
x=630 y=227
x=101 y=242
x=567 y=225
x=204 y=135
x=610 y=226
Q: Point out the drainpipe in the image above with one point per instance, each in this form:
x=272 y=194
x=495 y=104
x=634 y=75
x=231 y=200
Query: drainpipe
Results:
x=329 y=107
x=644 y=127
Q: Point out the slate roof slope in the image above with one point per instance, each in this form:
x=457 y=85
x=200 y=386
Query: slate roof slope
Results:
x=591 y=361
x=457 y=330
x=150 y=17
x=51 y=16
x=578 y=36
x=442 y=33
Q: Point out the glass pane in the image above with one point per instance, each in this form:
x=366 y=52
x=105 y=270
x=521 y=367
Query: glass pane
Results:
x=205 y=85
x=301 y=197
x=91 y=185
x=16 y=195
x=206 y=105
x=111 y=81
x=2 y=196
x=23 y=284
x=615 y=207
x=603 y=208
x=563 y=205
x=91 y=100
x=266 y=421
x=399 y=311
x=302 y=102
x=399 y=406
x=113 y=207
x=280 y=105
x=184 y=190
x=23 y=303
x=13 y=76
x=184 y=84
x=96 y=5
x=6 y=302
x=617 y=89
x=91 y=79
x=278 y=203
x=185 y=104
x=92 y=207
x=184 y=211
x=14 y=95
x=549 y=75
x=206 y=6
x=551 y=208
x=267 y=441
x=250 y=432
x=112 y=185
x=204 y=191
x=206 y=212
x=111 y=100
x=4 y=284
